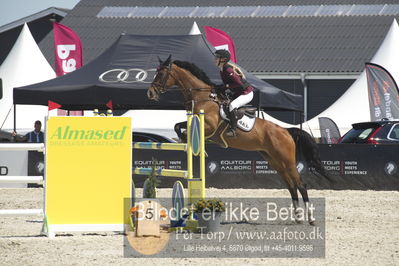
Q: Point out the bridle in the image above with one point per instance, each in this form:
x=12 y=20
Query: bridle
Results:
x=159 y=84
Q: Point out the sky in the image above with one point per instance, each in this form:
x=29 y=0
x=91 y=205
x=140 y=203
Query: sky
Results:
x=11 y=10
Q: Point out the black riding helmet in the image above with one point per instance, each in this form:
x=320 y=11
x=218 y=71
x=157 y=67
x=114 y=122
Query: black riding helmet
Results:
x=223 y=54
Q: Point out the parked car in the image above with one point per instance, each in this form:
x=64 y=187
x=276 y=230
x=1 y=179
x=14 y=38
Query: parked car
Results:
x=378 y=132
x=5 y=136
x=150 y=137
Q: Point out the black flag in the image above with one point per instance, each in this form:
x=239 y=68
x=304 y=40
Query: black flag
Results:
x=329 y=131
x=383 y=93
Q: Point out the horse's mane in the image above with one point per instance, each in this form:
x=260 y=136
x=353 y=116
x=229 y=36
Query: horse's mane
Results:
x=196 y=71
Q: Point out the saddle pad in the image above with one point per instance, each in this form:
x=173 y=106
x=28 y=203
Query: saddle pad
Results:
x=246 y=123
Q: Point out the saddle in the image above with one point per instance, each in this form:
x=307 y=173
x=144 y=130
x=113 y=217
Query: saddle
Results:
x=245 y=116
x=242 y=112
x=248 y=111
x=245 y=122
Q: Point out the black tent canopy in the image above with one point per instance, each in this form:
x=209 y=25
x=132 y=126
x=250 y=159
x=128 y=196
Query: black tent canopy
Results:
x=125 y=70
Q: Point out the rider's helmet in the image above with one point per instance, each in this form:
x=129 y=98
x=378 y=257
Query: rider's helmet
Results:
x=223 y=54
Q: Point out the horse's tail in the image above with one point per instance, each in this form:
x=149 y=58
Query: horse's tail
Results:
x=307 y=146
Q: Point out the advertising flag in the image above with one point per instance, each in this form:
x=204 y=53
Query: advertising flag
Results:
x=221 y=40
x=109 y=105
x=383 y=93
x=68 y=54
x=68 y=49
x=329 y=131
x=53 y=105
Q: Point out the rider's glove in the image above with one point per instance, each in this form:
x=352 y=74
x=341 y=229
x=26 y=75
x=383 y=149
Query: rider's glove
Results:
x=229 y=92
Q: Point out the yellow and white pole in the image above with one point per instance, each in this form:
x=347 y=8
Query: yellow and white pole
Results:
x=189 y=147
x=202 y=152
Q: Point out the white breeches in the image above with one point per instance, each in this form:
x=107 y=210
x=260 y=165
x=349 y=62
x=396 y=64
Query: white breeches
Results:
x=241 y=100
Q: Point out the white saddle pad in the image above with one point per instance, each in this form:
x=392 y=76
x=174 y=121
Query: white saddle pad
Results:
x=246 y=123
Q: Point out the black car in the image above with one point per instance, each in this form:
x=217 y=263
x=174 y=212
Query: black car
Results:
x=378 y=132
x=6 y=136
x=149 y=137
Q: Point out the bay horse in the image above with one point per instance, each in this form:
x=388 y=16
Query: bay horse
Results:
x=277 y=145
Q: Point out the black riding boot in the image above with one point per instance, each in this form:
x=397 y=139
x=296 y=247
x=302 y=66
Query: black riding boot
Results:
x=233 y=123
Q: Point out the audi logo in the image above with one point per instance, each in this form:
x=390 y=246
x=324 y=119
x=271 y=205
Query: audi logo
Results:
x=130 y=75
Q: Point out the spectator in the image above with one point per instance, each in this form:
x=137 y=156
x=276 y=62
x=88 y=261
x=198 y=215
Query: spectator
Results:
x=35 y=136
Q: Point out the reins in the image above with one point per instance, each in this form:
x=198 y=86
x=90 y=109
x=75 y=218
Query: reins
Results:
x=187 y=92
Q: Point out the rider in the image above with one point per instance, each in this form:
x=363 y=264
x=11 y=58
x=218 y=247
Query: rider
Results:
x=242 y=91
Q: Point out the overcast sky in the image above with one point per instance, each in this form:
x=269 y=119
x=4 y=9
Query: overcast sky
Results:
x=12 y=10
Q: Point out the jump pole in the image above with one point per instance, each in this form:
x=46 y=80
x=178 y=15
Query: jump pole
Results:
x=195 y=186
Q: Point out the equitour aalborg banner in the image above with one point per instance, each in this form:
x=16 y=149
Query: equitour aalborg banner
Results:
x=68 y=54
x=383 y=93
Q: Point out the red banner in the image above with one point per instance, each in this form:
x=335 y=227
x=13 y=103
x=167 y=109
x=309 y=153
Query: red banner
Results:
x=221 y=40
x=68 y=50
x=68 y=54
x=109 y=105
x=53 y=105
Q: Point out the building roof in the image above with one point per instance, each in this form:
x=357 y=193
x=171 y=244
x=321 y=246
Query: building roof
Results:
x=296 y=40
x=39 y=15
x=39 y=25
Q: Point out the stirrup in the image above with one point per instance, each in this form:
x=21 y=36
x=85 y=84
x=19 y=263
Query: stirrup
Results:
x=231 y=133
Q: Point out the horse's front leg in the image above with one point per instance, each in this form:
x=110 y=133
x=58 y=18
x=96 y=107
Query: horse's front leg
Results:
x=178 y=129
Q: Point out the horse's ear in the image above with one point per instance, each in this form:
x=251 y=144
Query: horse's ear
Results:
x=167 y=62
x=160 y=61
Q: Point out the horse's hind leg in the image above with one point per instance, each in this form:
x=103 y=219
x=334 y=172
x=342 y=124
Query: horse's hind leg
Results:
x=297 y=184
x=290 y=182
x=304 y=192
x=301 y=186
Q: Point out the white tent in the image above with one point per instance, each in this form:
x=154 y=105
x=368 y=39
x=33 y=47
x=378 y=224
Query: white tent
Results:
x=24 y=65
x=194 y=29
x=353 y=105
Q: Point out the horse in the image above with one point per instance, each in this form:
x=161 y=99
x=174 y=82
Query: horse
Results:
x=276 y=144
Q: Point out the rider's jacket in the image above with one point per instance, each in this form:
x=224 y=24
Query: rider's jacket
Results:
x=234 y=82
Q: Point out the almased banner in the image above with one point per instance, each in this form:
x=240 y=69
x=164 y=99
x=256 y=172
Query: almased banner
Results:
x=88 y=174
x=383 y=93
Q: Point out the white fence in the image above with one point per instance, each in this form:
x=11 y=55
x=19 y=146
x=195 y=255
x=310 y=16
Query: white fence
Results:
x=21 y=179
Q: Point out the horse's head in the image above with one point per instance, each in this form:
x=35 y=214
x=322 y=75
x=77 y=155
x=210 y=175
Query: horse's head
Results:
x=162 y=80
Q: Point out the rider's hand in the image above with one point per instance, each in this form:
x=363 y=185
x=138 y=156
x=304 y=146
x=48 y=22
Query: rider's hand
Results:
x=213 y=96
